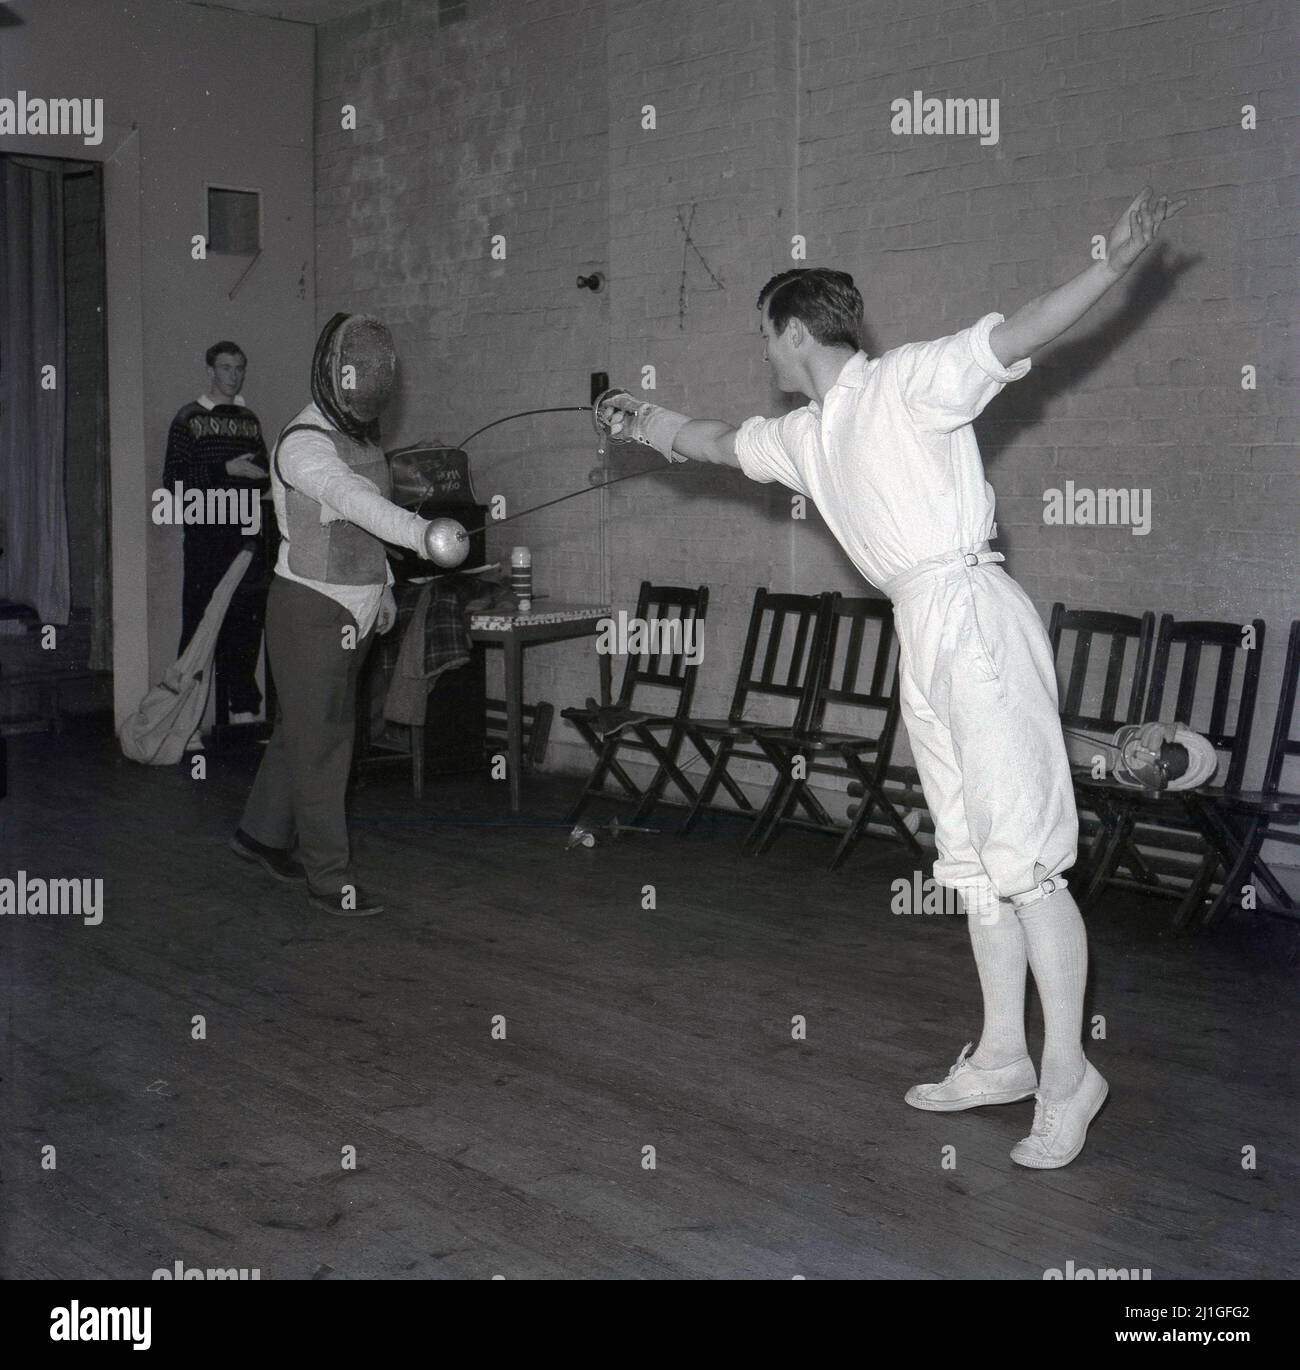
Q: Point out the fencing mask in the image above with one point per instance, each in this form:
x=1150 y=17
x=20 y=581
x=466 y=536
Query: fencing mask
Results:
x=1163 y=756
x=1154 y=757
x=353 y=373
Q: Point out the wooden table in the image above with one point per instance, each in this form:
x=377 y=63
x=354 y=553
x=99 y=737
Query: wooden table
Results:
x=512 y=632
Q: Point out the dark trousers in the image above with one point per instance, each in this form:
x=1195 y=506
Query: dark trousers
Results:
x=208 y=554
x=299 y=793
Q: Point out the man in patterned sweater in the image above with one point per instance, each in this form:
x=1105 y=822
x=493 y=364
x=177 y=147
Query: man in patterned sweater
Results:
x=215 y=443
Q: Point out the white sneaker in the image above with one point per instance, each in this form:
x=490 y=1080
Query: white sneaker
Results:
x=1061 y=1125
x=967 y=1086
x=244 y=718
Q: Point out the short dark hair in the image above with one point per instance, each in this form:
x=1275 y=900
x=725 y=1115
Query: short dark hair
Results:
x=224 y=348
x=826 y=302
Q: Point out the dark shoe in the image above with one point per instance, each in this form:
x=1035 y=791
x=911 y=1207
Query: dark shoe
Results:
x=350 y=902
x=274 y=861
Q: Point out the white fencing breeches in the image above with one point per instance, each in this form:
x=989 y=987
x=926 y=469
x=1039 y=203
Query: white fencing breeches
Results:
x=979 y=701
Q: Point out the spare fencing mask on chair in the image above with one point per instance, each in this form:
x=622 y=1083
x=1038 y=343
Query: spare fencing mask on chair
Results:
x=354 y=374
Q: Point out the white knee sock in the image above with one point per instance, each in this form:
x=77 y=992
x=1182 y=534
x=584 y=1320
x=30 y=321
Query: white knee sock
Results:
x=998 y=942
x=1058 y=954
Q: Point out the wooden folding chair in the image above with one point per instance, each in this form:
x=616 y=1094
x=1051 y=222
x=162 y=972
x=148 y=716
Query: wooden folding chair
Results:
x=778 y=662
x=1244 y=820
x=1103 y=662
x=623 y=727
x=858 y=757
x=1121 y=808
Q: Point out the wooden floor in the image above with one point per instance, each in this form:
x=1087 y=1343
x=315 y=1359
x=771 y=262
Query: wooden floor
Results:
x=627 y=1028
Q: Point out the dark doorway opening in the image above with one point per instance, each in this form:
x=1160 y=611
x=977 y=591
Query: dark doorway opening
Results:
x=56 y=620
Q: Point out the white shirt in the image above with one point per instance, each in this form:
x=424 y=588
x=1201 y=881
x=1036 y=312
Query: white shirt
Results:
x=311 y=464
x=890 y=457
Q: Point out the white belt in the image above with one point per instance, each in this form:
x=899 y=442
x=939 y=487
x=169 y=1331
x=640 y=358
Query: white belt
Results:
x=978 y=554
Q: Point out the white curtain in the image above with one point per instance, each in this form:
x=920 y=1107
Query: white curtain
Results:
x=33 y=513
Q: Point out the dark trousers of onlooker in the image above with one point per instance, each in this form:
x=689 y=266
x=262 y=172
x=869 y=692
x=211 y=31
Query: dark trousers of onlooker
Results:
x=208 y=554
x=301 y=785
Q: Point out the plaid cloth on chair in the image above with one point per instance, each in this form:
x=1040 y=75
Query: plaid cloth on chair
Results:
x=430 y=636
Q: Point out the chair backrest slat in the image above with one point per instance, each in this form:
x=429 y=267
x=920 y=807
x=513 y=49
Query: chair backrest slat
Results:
x=1127 y=636
x=852 y=656
x=844 y=641
x=780 y=652
x=776 y=630
x=843 y=688
x=1283 y=745
x=1198 y=640
x=1079 y=671
x=1187 y=680
x=804 y=625
x=1114 y=674
x=667 y=667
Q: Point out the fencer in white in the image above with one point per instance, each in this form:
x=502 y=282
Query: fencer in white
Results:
x=886 y=450
x=891 y=460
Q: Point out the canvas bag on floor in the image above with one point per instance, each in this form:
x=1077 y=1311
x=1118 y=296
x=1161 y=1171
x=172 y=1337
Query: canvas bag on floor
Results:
x=169 y=714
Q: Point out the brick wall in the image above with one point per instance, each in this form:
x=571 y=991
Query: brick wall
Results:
x=772 y=118
x=496 y=125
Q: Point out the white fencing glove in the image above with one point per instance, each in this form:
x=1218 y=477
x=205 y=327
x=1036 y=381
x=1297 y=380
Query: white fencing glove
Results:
x=622 y=416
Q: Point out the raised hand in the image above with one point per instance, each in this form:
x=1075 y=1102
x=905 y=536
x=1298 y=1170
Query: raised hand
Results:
x=1137 y=227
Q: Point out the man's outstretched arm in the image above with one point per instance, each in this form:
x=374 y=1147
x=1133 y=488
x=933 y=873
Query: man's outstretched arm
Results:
x=707 y=440
x=1048 y=316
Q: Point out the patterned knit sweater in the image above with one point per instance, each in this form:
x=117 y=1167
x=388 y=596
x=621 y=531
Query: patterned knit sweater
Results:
x=201 y=441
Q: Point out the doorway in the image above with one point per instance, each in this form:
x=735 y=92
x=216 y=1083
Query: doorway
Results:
x=56 y=623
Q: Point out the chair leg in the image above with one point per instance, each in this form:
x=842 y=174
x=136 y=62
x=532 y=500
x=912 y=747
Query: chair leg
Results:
x=763 y=841
x=606 y=764
x=812 y=806
x=1099 y=876
x=857 y=825
x=1126 y=853
x=588 y=735
x=717 y=769
x=863 y=817
x=1220 y=853
x=1193 y=903
x=658 y=782
x=1270 y=882
x=742 y=800
x=767 y=815
x=1131 y=857
x=778 y=799
x=650 y=796
x=668 y=769
x=1237 y=873
x=873 y=798
x=1086 y=860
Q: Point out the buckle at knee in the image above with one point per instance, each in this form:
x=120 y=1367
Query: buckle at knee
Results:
x=1052 y=885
